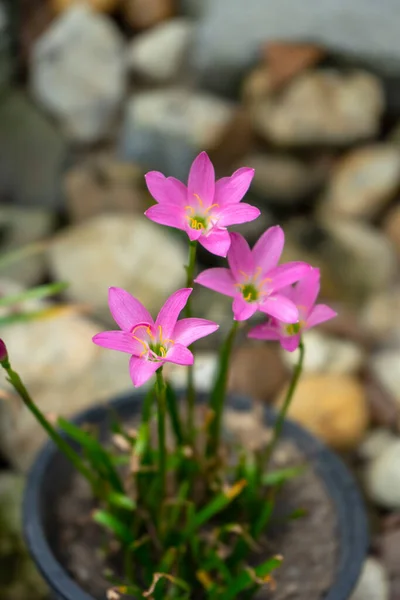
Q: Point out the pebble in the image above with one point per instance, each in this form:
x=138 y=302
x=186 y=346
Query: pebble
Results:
x=143 y=14
x=382 y=478
x=106 y=6
x=327 y=354
x=121 y=250
x=373 y=583
x=391 y=227
x=160 y=54
x=363 y=182
x=78 y=72
x=377 y=317
x=376 y=442
x=322 y=107
x=331 y=406
x=385 y=366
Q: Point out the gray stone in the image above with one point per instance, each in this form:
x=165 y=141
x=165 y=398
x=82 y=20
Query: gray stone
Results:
x=32 y=153
x=193 y=8
x=165 y=129
x=7 y=34
x=160 y=54
x=205 y=368
x=363 y=182
x=78 y=72
x=376 y=443
x=231 y=33
x=377 y=317
x=118 y=250
x=385 y=366
x=322 y=107
x=382 y=478
x=373 y=583
x=20 y=227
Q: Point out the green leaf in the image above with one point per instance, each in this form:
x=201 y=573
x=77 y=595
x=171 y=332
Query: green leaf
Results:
x=215 y=506
x=113 y=524
x=41 y=291
x=121 y=501
x=246 y=579
x=264 y=516
x=19 y=254
x=172 y=408
x=280 y=476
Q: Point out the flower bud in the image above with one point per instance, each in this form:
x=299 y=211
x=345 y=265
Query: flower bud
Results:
x=3 y=351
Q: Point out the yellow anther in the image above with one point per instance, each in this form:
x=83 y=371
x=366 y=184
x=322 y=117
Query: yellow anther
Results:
x=239 y=285
x=190 y=208
x=199 y=226
x=257 y=272
x=145 y=346
x=266 y=280
x=248 y=297
x=148 y=329
x=245 y=275
x=211 y=207
x=199 y=199
x=163 y=351
x=160 y=334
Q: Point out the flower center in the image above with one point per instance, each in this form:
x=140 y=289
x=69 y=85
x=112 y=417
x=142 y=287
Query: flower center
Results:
x=199 y=217
x=250 y=292
x=155 y=348
x=197 y=222
x=252 y=288
x=294 y=328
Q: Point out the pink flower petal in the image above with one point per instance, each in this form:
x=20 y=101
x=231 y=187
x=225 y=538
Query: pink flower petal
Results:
x=166 y=190
x=167 y=214
x=238 y=213
x=201 y=183
x=290 y=342
x=306 y=291
x=217 y=242
x=243 y=310
x=168 y=315
x=126 y=310
x=240 y=258
x=118 y=340
x=264 y=332
x=194 y=234
x=268 y=249
x=281 y=308
x=188 y=331
x=319 y=314
x=230 y=190
x=180 y=355
x=286 y=274
x=218 y=279
x=141 y=369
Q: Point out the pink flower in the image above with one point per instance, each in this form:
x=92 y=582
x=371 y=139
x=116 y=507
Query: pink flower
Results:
x=150 y=343
x=304 y=295
x=254 y=278
x=205 y=208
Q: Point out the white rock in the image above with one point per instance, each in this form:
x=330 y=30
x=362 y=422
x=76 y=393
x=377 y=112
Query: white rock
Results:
x=377 y=317
x=364 y=181
x=376 y=443
x=386 y=367
x=321 y=107
x=118 y=250
x=327 y=354
x=382 y=478
x=205 y=368
x=373 y=583
x=78 y=72
x=231 y=33
x=161 y=53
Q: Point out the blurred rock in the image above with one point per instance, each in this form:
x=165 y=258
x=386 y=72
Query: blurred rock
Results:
x=20 y=227
x=247 y=428
x=377 y=317
x=283 y=179
x=106 y=6
x=107 y=185
x=32 y=153
x=346 y=325
x=333 y=407
x=322 y=107
x=78 y=72
x=257 y=371
x=390 y=552
x=231 y=34
x=327 y=354
x=19 y=578
x=385 y=366
x=383 y=408
x=192 y=8
x=392 y=227
x=363 y=182
x=118 y=250
x=205 y=369
x=142 y=14
x=160 y=54
x=165 y=129
x=376 y=443
x=8 y=30
x=235 y=141
x=382 y=477
x=286 y=60
x=256 y=86
x=373 y=583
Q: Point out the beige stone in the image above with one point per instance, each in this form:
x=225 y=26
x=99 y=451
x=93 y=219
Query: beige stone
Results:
x=392 y=227
x=106 y=6
x=141 y=14
x=333 y=407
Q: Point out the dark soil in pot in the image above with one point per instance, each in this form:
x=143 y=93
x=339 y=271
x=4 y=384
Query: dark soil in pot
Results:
x=323 y=550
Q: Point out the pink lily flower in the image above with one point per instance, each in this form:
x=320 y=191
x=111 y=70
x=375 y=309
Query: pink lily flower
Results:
x=254 y=278
x=303 y=295
x=205 y=208
x=151 y=344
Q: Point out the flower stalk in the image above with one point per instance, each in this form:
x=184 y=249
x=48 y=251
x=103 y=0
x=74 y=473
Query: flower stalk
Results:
x=191 y=392
x=161 y=419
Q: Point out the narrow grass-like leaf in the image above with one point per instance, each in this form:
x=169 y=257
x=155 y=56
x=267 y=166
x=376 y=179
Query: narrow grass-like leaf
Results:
x=113 y=524
x=121 y=501
x=245 y=578
x=36 y=293
x=280 y=476
x=215 y=506
x=172 y=408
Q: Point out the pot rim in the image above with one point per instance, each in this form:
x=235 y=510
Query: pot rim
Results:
x=352 y=528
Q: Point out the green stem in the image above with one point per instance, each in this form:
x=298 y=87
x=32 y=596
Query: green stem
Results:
x=217 y=398
x=161 y=418
x=277 y=429
x=59 y=441
x=191 y=393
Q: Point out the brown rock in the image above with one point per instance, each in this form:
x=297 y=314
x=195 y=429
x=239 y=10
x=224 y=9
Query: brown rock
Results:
x=141 y=14
x=286 y=60
x=382 y=406
x=333 y=407
x=257 y=371
x=256 y=86
x=392 y=227
x=235 y=141
x=106 y=6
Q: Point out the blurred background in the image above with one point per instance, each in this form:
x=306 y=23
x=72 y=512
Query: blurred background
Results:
x=92 y=95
